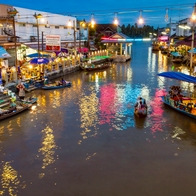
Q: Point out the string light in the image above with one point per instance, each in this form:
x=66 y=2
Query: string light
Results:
x=92 y=20
x=128 y=10
x=193 y=17
x=141 y=20
x=115 y=18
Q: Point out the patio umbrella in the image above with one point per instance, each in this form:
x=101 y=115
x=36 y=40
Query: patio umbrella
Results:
x=36 y=55
x=192 y=51
x=39 y=61
x=64 y=50
x=4 y=53
x=62 y=54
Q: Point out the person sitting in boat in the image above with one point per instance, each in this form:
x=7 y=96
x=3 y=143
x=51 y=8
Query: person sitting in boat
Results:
x=142 y=100
x=46 y=80
x=57 y=82
x=12 y=105
x=62 y=81
x=141 y=103
x=175 y=91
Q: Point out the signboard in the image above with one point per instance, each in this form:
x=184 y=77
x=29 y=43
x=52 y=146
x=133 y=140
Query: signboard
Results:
x=163 y=38
x=53 y=42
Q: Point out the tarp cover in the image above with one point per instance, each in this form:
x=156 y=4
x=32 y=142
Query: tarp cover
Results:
x=178 y=76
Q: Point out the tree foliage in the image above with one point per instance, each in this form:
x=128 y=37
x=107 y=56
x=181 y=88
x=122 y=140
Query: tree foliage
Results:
x=134 y=31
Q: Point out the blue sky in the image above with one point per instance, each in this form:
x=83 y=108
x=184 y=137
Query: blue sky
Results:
x=128 y=11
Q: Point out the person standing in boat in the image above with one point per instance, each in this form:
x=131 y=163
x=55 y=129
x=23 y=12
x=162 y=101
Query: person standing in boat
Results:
x=21 y=89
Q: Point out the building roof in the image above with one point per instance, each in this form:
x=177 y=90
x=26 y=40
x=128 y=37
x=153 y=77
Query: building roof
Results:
x=105 y=27
x=187 y=41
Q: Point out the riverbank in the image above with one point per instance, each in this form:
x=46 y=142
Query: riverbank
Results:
x=59 y=73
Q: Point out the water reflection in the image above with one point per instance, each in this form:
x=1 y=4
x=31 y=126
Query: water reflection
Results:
x=91 y=125
x=177 y=133
x=10 y=180
x=156 y=117
x=107 y=103
x=48 y=147
x=88 y=111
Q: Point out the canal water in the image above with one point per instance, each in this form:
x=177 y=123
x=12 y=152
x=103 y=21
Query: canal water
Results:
x=86 y=141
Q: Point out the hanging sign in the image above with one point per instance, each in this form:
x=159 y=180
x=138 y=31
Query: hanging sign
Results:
x=53 y=42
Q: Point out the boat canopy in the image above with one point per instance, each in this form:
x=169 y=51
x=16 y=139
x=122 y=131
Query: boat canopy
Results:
x=178 y=76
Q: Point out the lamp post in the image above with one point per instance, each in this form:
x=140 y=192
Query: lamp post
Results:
x=193 y=19
x=12 y=12
x=89 y=25
x=74 y=28
x=37 y=16
x=82 y=25
x=74 y=23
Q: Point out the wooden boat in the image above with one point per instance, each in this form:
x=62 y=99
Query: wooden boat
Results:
x=93 y=67
x=182 y=104
x=11 y=112
x=186 y=107
x=55 y=86
x=142 y=112
x=140 y=109
x=29 y=100
x=155 y=46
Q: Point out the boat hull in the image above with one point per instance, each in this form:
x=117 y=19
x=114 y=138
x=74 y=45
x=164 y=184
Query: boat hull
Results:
x=178 y=61
x=29 y=101
x=15 y=112
x=53 y=86
x=167 y=101
x=95 y=67
x=141 y=112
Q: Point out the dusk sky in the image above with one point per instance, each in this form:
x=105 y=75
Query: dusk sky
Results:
x=128 y=11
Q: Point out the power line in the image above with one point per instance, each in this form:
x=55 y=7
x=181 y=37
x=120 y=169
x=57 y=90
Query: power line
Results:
x=121 y=11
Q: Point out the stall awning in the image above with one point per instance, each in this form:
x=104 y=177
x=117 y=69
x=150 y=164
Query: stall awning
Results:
x=4 y=53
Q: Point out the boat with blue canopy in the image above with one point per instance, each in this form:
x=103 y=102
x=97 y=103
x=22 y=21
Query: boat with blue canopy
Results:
x=175 y=99
x=178 y=76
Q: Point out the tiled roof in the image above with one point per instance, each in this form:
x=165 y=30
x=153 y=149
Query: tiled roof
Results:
x=104 y=27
